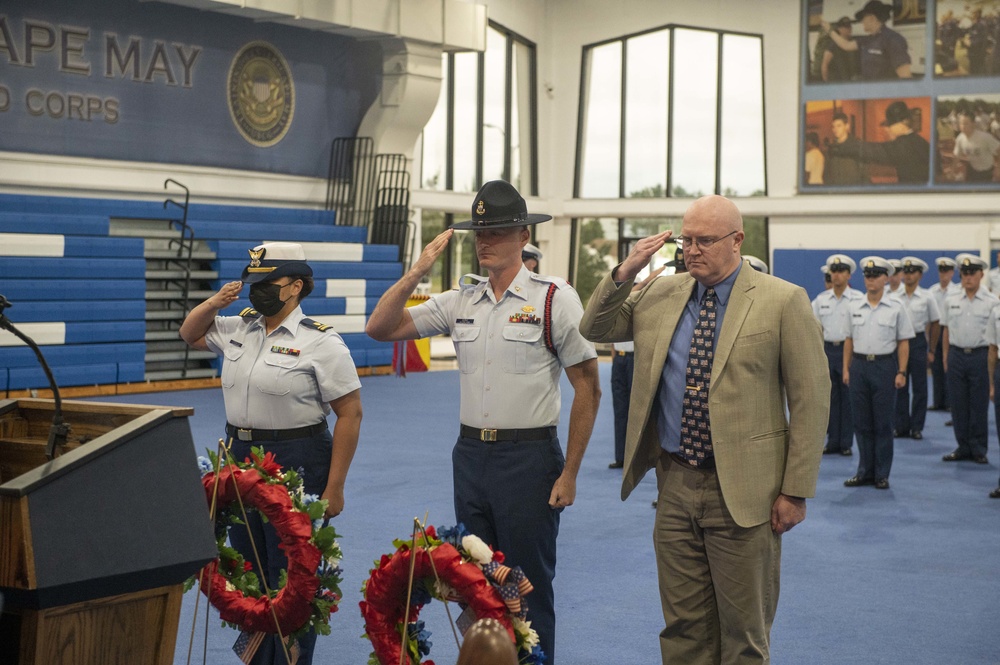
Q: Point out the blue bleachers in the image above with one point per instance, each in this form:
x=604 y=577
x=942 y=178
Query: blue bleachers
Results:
x=65 y=224
x=97 y=288
x=12 y=267
x=78 y=310
x=21 y=291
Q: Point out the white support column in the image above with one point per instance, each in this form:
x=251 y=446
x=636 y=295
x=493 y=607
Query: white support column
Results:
x=411 y=86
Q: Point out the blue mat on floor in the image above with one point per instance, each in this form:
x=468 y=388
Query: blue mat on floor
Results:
x=907 y=575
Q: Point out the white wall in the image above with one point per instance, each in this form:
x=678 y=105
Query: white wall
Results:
x=561 y=28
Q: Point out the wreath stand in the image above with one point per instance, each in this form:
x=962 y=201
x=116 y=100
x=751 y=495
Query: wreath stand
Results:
x=260 y=618
x=387 y=624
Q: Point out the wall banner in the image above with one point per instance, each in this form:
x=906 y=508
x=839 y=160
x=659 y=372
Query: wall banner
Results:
x=161 y=83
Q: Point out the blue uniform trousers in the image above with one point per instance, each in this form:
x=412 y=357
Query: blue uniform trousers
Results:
x=939 y=377
x=969 y=390
x=996 y=404
x=622 y=366
x=502 y=495
x=840 y=431
x=873 y=389
x=911 y=417
x=311 y=455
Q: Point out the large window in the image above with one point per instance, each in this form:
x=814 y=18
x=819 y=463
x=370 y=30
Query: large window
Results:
x=676 y=111
x=484 y=125
x=603 y=242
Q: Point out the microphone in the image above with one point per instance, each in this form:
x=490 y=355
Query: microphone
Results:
x=59 y=430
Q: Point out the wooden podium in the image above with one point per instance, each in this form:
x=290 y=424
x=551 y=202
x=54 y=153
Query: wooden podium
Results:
x=95 y=544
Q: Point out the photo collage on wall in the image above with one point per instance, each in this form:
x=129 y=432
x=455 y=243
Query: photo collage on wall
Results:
x=902 y=94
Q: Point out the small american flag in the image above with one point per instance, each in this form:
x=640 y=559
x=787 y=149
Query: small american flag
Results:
x=247 y=644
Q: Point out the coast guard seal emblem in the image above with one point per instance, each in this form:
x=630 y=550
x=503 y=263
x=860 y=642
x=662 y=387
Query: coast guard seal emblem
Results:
x=261 y=94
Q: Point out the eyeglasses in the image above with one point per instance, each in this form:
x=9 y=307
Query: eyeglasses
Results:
x=700 y=243
x=909 y=270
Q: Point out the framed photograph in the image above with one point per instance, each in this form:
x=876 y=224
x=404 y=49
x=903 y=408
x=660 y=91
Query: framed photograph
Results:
x=967 y=38
x=968 y=139
x=856 y=40
x=866 y=143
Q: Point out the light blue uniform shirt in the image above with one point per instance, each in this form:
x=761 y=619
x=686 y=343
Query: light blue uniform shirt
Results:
x=993 y=327
x=509 y=379
x=283 y=380
x=673 y=380
x=966 y=319
x=921 y=307
x=834 y=313
x=876 y=330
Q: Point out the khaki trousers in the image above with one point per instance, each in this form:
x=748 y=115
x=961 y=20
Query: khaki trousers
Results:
x=719 y=581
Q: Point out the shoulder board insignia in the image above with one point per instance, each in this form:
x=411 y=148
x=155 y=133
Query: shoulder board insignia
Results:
x=310 y=323
x=559 y=282
x=249 y=313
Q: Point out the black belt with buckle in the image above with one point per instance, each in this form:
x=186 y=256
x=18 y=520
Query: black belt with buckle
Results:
x=247 y=434
x=623 y=353
x=833 y=344
x=707 y=464
x=492 y=435
x=968 y=350
x=872 y=357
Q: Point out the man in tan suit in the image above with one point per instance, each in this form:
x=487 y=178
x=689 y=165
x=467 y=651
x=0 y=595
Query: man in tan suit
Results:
x=734 y=476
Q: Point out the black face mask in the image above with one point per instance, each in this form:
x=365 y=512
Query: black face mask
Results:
x=266 y=298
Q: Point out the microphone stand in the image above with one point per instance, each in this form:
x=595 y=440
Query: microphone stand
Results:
x=59 y=430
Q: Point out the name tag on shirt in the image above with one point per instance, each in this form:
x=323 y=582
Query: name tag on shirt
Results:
x=284 y=350
x=460 y=321
x=235 y=343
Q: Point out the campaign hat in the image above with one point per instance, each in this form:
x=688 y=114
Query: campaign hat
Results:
x=499 y=206
x=898 y=111
x=879 y=10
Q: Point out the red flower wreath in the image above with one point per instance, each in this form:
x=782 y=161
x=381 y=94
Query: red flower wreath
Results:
x=293 y=604
x=385 y=595
x=469 y=572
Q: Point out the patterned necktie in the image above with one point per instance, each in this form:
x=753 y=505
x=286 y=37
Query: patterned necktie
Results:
x=696 y=433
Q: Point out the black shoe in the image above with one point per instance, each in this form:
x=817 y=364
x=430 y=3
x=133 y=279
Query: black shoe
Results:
x=995 y=494
x=654 y=504
x=857 y=481
x=830 y=451
x=882 y=484
x=955 y=456
x=916 y=434
x=616 y=465
x=980 y=459
x=948 y=424
x=846 y=452
x=897 y=434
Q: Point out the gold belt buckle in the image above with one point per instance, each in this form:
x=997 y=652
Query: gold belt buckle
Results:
x=967 y=351
x=244 y=434
x=870 y=357
x=488 y=435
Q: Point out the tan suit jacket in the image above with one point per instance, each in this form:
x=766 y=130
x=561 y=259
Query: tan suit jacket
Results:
x=768 y=355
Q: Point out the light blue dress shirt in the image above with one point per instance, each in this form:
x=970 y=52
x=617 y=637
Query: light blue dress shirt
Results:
x=673 y=380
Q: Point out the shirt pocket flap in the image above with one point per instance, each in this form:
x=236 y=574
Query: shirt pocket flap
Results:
x=281 y=360
x=522 y=333
x=465 y=333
